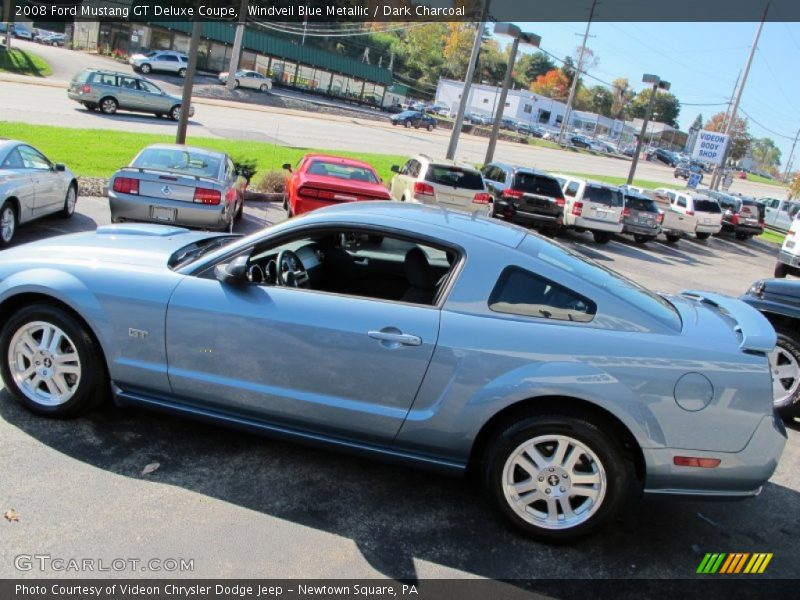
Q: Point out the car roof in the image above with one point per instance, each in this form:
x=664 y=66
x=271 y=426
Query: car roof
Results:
x=194 y=149
x=518 y=168
x=433 y=220
x=342 y=160
x=445 y=162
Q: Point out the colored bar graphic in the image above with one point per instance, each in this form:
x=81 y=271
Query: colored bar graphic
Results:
x=733 y=563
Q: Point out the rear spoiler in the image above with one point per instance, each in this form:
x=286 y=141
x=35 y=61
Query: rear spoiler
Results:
x=171 y=173
x=757 y=332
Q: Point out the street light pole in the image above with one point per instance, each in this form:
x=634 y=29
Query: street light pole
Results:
x=236 y=52
x=8 y=18
x=462 y=105
x=188 y=84
x=657 y=84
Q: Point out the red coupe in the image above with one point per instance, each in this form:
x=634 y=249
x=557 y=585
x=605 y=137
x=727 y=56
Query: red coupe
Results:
x=321 y=180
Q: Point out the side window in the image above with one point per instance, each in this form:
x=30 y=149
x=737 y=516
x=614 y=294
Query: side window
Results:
x=520 y=292
x=13 y=161
x=493 y=173
x=572 y=189
x=682 y=202
x=169 y=58
x=414 y=168
x=128 y=83
x=105 y=79
x=148 y=87
x=404 y=168
x=32 y=159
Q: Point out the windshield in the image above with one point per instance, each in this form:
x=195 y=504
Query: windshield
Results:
x=455 y=177
x=340 y=171
x=151 y=54
x=194 y=251
x=603 y=195
x=612 y=282
x=409 y=113
x=179 y=160
x=537 y=184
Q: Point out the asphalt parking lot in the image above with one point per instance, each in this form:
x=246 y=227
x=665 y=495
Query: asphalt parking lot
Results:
x=244 y=506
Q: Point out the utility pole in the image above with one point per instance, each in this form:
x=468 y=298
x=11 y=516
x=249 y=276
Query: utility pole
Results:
x=188 y=83
x=789 y=160
x=462 y=105
x=573 y=88
x=715 y=180
x=238 y=39
x=657 y=84
x=8 y=18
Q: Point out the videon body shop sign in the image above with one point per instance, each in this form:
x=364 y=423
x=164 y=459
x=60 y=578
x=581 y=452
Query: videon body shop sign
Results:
x=710 y=146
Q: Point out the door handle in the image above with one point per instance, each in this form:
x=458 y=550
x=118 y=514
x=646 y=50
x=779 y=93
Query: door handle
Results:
x=391 y=337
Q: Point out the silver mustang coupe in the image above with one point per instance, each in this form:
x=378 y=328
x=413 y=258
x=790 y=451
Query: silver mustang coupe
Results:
x=31 y=187
x=180 y=185
x=412 y=333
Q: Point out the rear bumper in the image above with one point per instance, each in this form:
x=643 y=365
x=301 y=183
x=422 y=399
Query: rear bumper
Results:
x=739 y=475
x=510 y=212
x=793 y=260
x=708 y=228
x=748 y=229
x=637 y=229
x=596 y=225
x=128 y=207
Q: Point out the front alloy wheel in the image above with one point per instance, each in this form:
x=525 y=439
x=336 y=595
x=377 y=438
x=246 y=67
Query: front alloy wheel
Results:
x=69 y=202
x=784 y=361
x=8 y=224
x=557 y=477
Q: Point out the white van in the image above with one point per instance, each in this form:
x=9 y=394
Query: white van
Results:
x=705 y=209
x=592 y=206
x=789 y=256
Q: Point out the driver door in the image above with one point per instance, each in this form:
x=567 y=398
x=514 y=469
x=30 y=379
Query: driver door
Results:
x=318 y=362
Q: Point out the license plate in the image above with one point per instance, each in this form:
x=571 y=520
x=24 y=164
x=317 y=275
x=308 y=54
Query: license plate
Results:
x=708 y=221
x=160 y=213
x=601 y=214
x=644 y=221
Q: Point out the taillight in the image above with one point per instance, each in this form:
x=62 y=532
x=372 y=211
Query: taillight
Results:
x=735 y=219
x=86 y=89
x=126 y=185
x=560 y=202
x=207 y=196
x=660 y=218
x=577 y=209
x=761 y=222
x=509 y=193
x=423 y=189
x=690 y=213
x=626 y=212
x=481 y=198
x=311 y=192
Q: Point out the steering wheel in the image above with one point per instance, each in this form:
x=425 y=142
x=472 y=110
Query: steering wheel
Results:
x=291 y=272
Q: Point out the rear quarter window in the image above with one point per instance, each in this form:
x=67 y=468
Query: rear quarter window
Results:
x=705 y=205
x=603 y=195
x=455 y=177
x=644 y=204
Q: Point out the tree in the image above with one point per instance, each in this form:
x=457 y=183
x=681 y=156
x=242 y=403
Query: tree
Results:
x=697 y=123
x=666 y=106
x=492 y=63
x=457 y=49
x=794 y=186
x=621 y=96
x=740 y=137
x=423 y=50
x=766 y=154
x=553 y=84
x=568 y=70
x=529 y=66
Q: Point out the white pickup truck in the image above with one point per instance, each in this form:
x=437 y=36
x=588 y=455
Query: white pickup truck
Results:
x=779 y=214
x=676 y=224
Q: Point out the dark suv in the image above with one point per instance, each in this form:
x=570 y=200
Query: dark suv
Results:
x=640 y=217
x=414 y=118
x=525 y=196
x=665 y=156
x=741 y=215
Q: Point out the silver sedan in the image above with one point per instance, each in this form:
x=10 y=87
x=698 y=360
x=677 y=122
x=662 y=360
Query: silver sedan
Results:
x=248 y=79
x=31 y=186
x=179 y=185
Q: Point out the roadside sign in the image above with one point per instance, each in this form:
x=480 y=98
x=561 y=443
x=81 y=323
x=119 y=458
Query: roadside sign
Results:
x=693 y=180
x=710 y=146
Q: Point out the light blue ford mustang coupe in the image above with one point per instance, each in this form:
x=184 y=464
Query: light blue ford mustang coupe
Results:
x=411 y=333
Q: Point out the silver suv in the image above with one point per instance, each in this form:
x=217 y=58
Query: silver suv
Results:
x=167 y=61
x=110 y=91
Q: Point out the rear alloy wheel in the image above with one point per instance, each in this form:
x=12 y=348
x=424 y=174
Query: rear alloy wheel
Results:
x=108 y=106
x=236 y=84
x=182 y=73
x=702 y=236
x=601 y=237
x=50 y=363
x=8 y=223
x=407 y=124
x=175 y=112
x=784 y=361
x=70 y=200
x=781 y=270
x=145 y=68
x=430 y=127
x=556 y=477
x=264 y=88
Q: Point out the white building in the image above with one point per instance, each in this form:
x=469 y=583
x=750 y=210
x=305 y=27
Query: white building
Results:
x=526 y=107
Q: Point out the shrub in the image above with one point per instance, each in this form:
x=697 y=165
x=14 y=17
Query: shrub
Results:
x=246 y=167
x=272 y=182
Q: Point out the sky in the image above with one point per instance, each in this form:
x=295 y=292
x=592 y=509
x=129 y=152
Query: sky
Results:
x=702 y=62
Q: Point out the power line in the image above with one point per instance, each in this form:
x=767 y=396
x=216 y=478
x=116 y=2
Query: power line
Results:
x=765 y=128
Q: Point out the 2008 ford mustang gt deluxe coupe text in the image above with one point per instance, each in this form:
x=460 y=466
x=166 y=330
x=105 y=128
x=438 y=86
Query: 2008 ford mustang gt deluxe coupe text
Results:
x=415 y=333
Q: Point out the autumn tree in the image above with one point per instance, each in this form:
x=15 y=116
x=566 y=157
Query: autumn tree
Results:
x=741 y=139
x=529 y=66
x=457 y=49
x=621 y=96
x=553 y=84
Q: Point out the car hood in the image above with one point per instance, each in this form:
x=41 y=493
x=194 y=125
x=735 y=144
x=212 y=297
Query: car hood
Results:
x=137 y=57
x=139 y=245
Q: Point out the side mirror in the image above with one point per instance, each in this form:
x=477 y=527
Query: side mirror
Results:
x=287 y=167
x=395 y=169
x=60 y=167
x=234 y=272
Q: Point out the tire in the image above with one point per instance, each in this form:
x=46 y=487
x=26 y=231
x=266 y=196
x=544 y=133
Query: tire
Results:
x=108 y=105
x=430 y=128
x=672 y=239
x=702 y=236
x=239 y=210
x=607 y=476
x=285 y=201
x=601 y=237
x=70 y=200
x=642 y=239
x=159 y=115
x=90 y=106
x=145 y=68
x=407 y=124
x=8 y=223
x=236 y=84
x=580 y=229
x=175 y=112
x=785 y=359
x=264 y=88
x=742 y=236
x=781 y=270
x=181 y=73
x=84 y=378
